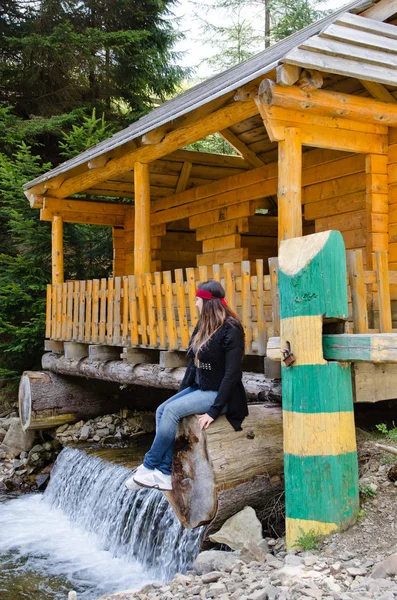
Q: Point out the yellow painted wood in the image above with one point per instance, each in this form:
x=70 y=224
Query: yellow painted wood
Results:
x=191 y=290
x=382 y=279
x=318 y=434
x=296 y=528
x=102 y=311
x=358 y=291
x=160 y=310
x=57 y=249
x=181 y=303
x=133 y=310
x=64 y=309
x=76 y=293
x=203 y=273
x=170 y=311
x=151 y=309
x=88 y=312
x=117 y=311
x=82 y=292
x=290 y=185
x=304 y=334
x=216 y=272
x=110 y=311
x=95 y=311
x=142 y=257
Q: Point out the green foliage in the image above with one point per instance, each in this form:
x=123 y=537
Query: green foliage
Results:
x=366 y=491
x=362 y=513
x=309 y=540
x=290 y=16
x=213 y=143
x=84 y=135
x=391 y=434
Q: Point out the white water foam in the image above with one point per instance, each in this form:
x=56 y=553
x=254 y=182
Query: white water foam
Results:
x=89 y=528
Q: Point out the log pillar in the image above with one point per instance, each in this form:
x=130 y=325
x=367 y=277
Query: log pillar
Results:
x=377 y=206
x=57 y=249
x=320 y=456
x=290 y=185
x=142 y=253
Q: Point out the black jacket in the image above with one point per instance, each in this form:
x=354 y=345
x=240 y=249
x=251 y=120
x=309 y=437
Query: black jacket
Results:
x=224 y=351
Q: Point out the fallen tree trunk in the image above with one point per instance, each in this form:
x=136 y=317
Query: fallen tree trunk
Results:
x=219 y=471
x=257 y=387
x=48 y=400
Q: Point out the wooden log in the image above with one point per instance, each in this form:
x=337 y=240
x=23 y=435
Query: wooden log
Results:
x=256 y=385
x=290 y=186
x=142 y=219
x=213 y=469
x=57 y=249
x=47 y=400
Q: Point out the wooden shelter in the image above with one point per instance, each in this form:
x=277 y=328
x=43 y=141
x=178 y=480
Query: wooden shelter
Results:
x=313 y=119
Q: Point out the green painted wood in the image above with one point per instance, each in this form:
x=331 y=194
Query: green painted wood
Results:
x=361 y=347
x=320 y=287
x=304 y=390
x=327 y=486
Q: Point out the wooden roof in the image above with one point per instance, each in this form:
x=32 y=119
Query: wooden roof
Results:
x=217 y=91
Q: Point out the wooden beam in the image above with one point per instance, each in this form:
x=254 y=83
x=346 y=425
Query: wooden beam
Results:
x=80 y=217
x=310 y=80
x=290 y=185
x=98 y=161
x=142 y=253
x=57 y=250
x=232 y=139
x=378 y=91
x=220 y=119
x=332 y=104
x=183 y=177
x=86 y=206
x=246 y=92
x=287 y=74
x=381 y=11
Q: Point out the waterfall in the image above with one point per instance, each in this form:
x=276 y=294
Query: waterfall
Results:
x=89 y=528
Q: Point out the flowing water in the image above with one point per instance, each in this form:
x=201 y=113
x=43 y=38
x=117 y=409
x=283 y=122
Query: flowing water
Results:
x=89 y=533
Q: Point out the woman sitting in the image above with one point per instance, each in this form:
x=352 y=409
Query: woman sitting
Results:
x=212 y=385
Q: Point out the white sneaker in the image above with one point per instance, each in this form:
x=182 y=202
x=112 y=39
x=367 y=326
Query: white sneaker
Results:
x=153 y=479
x=130 y=484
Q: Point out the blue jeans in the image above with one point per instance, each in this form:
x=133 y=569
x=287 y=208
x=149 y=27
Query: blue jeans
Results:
x=190 y=401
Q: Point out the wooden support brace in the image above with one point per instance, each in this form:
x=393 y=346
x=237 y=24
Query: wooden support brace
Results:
x=103 y=352
x=74 y=350
x=320 y=458
x=172 y=360
x=140 y=356
x=53 y=346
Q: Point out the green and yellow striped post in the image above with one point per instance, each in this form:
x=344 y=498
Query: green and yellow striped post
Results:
x=320 y=457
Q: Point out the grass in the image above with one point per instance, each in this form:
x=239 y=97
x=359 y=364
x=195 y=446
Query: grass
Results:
x=362 y=513
x=308 y=540
x=366 y=491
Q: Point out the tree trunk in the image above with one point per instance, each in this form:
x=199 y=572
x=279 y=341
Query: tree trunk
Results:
x=219 y=471
x=47 y=400
x=256 y=385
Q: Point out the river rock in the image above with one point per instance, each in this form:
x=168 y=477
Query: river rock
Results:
x=215 y=560
x=242 y=528
x=16 y=439
x=2 y=434
x=41 y=480
x=386 y=568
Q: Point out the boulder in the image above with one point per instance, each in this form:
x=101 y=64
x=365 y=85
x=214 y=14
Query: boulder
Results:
x=386 y=568
x=2 y=434
x=215 y=560
x=16 y=439
x=241 y=529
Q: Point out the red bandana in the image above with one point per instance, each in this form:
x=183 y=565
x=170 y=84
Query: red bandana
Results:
x=208 y=296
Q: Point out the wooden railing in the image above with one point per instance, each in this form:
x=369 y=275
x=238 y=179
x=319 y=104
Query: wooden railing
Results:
x=157 y=310
x=373 y=294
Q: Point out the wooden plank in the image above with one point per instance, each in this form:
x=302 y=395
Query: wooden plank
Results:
x=358 y=291
x=110 y=311
x=222 y=229
x=151 y=308
x=57 y=249
x=219 y=119
x=142 y=219
x=260 y=309
x=79 y=217
x=191 y=290
x=216 y=272
x=170 y=311
x=230 y=285
x=222 y=256
x=95 y=311
x=203 y=273
x=337 y=205
x=382 y=279
x=139 y=286
x=64 y=310
x=117 y=311
x=246 y=304
x=366 y=347
x=381 y=11
x=290 y=186
x=227 y=213
x=133 y=310
x=232 y=139
x=125 y=310
x=183 y=177
x=378 y=91
x=222 y=243
x=88 y=312
x=181 y=303
x=102 y=311
x=76 y=293
x=82 y=288
x=84 y=206
x=374 y=382
x=48 y=311
x=160 y=310
x=275 y=298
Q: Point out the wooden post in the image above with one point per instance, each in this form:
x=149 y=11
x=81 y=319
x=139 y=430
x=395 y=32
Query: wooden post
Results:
x=290 y=185
x=377 y=206
x=358 y=291
x=320 y=458
x=142 y=257
x=57 y=249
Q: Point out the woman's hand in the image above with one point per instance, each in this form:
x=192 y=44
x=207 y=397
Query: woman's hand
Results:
x=204 y=421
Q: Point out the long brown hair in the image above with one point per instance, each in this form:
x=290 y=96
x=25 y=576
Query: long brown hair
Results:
x=213 y=315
